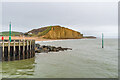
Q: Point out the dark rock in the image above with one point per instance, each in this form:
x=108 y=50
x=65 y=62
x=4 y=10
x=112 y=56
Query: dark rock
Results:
x=60 y=48
x=37 y=51
x=37 y=45
x=69 y=49
x=46 y=49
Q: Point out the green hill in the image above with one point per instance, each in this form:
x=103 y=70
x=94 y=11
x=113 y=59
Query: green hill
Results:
x=13 y=33
x=39 y=32
x=45 y=31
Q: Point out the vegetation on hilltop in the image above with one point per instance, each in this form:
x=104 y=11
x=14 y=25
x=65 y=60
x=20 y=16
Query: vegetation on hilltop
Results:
x=45 y=31
x=13 y=33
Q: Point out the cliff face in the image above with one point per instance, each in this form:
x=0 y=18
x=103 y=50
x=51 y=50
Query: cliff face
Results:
x=58 y=32
x=55 y=32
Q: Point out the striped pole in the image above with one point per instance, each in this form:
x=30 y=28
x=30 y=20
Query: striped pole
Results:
x=10 y=32
x=102 y=41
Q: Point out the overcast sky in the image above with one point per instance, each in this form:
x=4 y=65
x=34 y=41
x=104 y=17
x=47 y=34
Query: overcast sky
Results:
x=89 y=18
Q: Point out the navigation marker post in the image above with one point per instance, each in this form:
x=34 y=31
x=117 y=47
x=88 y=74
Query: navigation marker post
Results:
x=10 y=32
x=102 y=41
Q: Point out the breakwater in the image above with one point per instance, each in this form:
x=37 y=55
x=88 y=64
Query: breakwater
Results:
x=45 y=49
x=17 y=49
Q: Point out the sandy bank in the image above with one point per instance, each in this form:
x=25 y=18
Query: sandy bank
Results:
x=30 y=38
x=36 y=38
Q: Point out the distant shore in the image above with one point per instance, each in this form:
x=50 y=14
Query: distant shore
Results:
x=29 y=38
x=35 y=38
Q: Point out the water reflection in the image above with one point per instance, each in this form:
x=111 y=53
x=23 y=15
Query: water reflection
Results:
x=0 y=70
x=18 y=69
x=82 y=62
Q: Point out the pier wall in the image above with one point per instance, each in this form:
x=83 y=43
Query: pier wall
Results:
x=17 y=49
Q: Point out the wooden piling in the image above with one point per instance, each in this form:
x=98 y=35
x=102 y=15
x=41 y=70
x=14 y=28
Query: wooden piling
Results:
x=30 y=48
x=3 y=51
x=27 y=49
x=14 y=51
x=23 y=49
x=8 y=50
x=33 y=49
x=19 y=50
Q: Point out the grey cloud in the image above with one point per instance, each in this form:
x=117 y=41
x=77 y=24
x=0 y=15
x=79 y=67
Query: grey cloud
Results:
x=82 y=16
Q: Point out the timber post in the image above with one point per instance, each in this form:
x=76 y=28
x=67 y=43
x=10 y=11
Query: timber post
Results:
x=30 y=48
x=27 y=49
x=9 y=50
x=23 y=49
x=19 y=51
x=3 y=51
x=14 y=51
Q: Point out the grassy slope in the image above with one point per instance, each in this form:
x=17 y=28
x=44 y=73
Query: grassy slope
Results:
x=13 y=33
x=45 y=31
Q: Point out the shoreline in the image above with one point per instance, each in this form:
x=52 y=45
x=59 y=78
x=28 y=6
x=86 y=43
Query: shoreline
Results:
x=37 y=38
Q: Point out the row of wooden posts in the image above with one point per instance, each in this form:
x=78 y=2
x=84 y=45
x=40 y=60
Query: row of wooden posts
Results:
x=17 y=49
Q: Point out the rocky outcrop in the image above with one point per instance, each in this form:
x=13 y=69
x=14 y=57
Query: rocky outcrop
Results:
x=58 y=32
x=89 y=37
x=46 y=49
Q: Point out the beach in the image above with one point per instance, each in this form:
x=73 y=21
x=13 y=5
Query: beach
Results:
x=30 y=38
x=27 y=38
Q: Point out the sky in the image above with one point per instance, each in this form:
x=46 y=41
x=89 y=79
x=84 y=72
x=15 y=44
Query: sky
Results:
x=89 y=18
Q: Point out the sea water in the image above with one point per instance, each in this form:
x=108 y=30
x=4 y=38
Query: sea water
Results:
x=86 y=60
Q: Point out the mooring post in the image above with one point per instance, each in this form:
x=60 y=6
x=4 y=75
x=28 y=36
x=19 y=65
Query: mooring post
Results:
x=9 y=50
x=102 y=41
x=30 y=48
x=23 y=49
x=19 y=50
x=27 y=49
x=14 y=51
x=33 y=48
x=3 y=51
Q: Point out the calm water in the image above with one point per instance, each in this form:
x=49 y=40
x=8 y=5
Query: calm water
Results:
x=86 y=60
